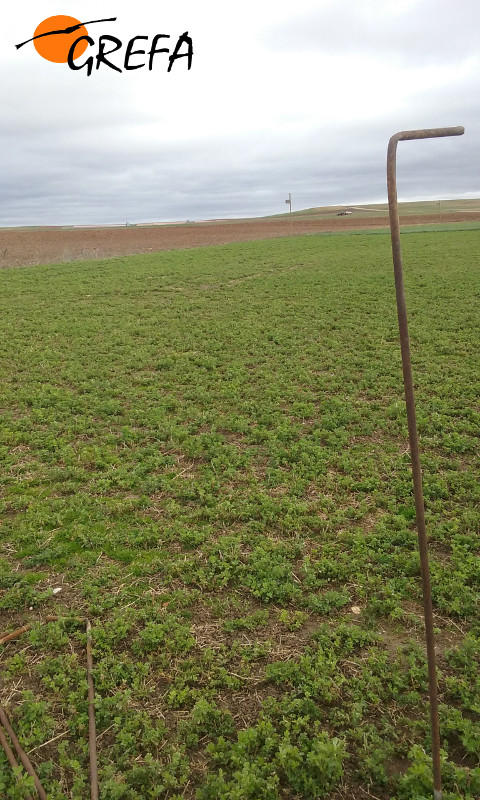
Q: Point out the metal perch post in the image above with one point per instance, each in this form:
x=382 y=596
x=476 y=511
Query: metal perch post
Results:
x=427 y=133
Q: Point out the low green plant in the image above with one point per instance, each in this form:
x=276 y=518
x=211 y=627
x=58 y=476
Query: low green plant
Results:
x=207 y=452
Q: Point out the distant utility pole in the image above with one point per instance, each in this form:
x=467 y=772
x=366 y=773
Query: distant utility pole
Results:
x=289 y=201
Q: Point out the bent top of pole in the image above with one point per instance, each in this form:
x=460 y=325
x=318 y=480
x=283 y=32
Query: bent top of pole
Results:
x=402 y=136
x=428 y=133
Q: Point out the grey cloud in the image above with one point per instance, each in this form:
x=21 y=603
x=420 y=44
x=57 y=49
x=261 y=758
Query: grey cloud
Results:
x=184 y=182
x=429 y=32
x=101 y=164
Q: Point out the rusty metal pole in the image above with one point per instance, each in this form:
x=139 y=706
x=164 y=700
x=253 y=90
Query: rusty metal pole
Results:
x=428 y=133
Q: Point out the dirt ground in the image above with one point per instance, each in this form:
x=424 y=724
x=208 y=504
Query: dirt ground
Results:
x=20 y=247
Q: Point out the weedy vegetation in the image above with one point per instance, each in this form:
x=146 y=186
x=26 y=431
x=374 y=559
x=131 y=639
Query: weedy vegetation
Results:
x=207 y=451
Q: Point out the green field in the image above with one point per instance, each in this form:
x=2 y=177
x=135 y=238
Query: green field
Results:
x=206 y=450
x=364 y=210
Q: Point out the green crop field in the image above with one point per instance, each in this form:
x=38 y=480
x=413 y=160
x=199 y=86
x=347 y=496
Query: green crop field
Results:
x=406 y=209
x=207 y=452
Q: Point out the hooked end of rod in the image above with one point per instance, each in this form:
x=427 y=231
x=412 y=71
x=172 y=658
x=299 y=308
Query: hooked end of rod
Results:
x=427 y=133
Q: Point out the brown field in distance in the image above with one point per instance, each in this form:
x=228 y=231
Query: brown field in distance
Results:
x=30 y=246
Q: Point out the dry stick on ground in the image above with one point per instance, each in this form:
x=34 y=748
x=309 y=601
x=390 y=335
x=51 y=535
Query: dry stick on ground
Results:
x=22 y=755
x=8 y=637
x=92 y=737
x=11 y=757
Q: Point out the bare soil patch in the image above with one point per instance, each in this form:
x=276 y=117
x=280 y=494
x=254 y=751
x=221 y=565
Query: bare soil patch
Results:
x=20 y=247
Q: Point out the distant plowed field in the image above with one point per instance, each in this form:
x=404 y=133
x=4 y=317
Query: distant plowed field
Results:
x=20 y=247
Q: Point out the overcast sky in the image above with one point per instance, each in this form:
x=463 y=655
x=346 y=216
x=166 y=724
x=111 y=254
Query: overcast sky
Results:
x=282 y=97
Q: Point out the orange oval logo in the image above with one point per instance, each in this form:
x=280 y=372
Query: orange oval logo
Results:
x=56 y=45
